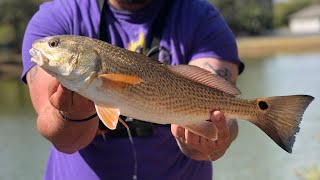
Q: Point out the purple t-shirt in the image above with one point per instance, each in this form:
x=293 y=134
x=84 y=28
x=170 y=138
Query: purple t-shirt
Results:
x=193 y=29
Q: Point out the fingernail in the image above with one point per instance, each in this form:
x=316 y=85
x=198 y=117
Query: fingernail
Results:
x=217 y=117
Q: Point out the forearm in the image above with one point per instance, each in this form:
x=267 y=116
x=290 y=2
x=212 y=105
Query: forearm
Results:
x=66 y=136
x=47 y=97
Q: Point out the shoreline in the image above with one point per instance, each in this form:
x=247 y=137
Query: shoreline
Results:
x=254 y=48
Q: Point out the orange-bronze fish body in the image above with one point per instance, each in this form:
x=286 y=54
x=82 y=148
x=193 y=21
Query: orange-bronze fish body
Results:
x=118 y=80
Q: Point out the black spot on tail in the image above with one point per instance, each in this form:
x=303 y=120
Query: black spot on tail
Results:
x=263 y=105
x=281 y=117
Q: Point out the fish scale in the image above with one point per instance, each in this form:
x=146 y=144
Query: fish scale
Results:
x=121 y=81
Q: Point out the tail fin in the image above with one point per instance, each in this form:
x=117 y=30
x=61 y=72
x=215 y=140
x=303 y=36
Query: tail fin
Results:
x=280 y=117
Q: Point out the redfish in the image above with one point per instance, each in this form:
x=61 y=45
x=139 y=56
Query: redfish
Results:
x=121 y=81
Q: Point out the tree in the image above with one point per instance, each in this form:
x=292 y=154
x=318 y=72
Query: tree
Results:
x=15 y=14
x=282 y=11
x=246 y=16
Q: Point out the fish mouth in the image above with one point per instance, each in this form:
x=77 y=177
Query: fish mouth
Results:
x=38 y=57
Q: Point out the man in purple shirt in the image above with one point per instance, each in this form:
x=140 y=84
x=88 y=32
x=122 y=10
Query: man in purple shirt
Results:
x=193 y=33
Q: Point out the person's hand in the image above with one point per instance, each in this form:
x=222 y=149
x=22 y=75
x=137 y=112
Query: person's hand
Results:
x=200 y=148
x=49 y=98
x=71 y=104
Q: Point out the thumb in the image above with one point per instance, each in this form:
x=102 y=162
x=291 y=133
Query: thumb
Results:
x=177 y=131
x=60 y=98
x=53 y=86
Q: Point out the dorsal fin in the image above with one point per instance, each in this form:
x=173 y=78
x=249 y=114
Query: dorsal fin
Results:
x=205 y=77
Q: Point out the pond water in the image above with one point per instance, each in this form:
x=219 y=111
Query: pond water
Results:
x=254 y=155
x=23 y=152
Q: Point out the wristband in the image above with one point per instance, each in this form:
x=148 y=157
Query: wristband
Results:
x=77 y=120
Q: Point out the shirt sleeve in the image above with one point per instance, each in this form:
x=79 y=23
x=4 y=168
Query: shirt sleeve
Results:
x=213 y=38
x=50 y=20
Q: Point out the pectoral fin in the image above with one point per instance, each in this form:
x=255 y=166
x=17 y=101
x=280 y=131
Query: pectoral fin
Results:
x=109 y=116
x=205 y=129
x=119 y=80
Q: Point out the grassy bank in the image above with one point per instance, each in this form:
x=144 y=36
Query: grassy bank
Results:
x=259 y=47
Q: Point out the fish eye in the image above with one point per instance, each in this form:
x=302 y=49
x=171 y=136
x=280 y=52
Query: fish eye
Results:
x=263 y=105
x=53 y=43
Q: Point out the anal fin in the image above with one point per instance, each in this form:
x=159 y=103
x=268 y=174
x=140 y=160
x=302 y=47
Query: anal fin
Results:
x=205 y=129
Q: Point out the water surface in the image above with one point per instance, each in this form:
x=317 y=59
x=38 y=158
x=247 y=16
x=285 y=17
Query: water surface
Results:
x=254 y=155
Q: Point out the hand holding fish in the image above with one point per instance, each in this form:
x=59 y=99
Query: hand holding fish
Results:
x=66 y=136
x=200 y=148
x=69 y=103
